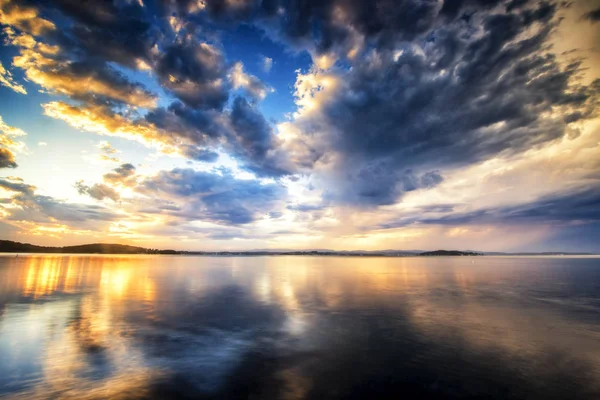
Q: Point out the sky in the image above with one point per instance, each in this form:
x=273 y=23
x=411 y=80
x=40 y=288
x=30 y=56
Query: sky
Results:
x=313 y=124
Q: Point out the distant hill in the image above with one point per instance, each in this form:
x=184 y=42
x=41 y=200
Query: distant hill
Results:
x=546 y=253
x=450 y=253
x=8 y=246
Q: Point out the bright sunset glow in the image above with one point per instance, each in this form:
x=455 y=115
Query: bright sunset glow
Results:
x=238 y=125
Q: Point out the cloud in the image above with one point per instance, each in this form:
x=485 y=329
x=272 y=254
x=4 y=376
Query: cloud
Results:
x=402 y=100
x=23 y=17
x=507 y=191
x=107 y=148
x=212 y=197
x=117 y=32
x=102 y=120
x=347 y=28
x=18 y=186
x=61 y=64
x=252 y=139
x=267 y=64
x=375 y=182
x=243 y=131
x=108 y=152
x=8 y=145
x=83 y=81
x=195 y=72
x=200 y=154
x=26 y=205
x=83 y=60
x=254 y=86
x=104 y=157
x=578 y=206
x=8 y=130
x=306 y=207
x=388 y=122
x=97 y=191
x=6 y=79
x=74 y=63
x=194 y=127
x=593 y=16
x=7 y=159
x=123 y=175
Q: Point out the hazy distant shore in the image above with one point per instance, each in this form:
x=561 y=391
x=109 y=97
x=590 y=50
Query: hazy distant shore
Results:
x=8 y=246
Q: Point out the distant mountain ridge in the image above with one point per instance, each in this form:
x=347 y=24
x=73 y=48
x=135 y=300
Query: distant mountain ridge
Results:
x=450 y=253
x=9 y=246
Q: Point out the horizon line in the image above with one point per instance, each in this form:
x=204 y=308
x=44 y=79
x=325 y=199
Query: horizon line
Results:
x=288 y=251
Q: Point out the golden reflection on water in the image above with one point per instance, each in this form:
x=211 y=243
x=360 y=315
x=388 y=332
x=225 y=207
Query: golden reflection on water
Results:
x=43 y=276
x=71 y=314
x=116 y=277
x=74 y=329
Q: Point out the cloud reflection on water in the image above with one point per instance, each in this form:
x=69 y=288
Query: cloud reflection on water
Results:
x=298 y=327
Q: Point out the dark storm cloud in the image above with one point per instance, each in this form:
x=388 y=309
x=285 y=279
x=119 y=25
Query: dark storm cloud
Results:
x=202 y=127
x=255 y=141
x=195 y=72
x=326 y=25
x=212 y=197
x=242 y=131
x=118 y=31
x=72 y=58
x=593 y=16
x=430 y=179
x=200 y=154
x=186 y=65
x=437 y=85
x=455 y=99
x=7 y=159
x=376 y=182
x=581 y=205
x=432 y=84
x=191 y=68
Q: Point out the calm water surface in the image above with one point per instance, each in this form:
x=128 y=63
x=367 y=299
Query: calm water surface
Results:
x=87 y=327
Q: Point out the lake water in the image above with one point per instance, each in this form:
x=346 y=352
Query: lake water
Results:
x=94 y=327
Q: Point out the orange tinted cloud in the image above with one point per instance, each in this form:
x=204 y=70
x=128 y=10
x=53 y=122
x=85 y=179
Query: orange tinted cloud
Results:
x=6 y=79
x=24 y=18
x=100 y=120
x=80 y=81
x=8 y=145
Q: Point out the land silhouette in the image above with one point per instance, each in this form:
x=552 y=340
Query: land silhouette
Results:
x=9 y=246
